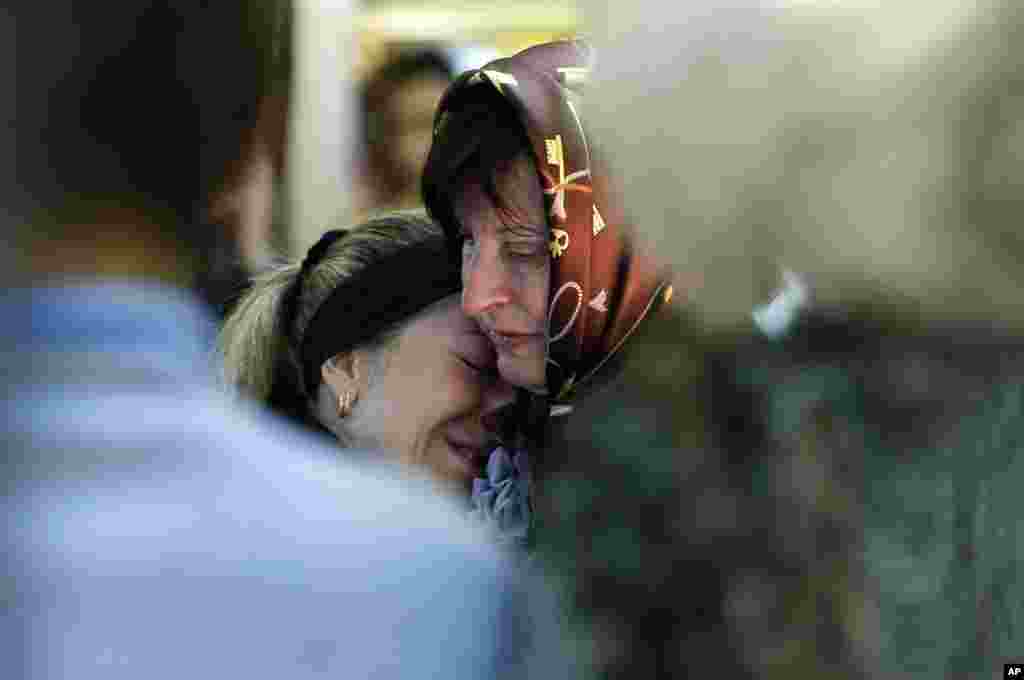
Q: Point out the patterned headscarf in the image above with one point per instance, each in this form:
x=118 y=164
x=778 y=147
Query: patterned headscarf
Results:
x=601 y=288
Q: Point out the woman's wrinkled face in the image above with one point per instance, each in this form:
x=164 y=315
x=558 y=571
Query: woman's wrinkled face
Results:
x=434 y=389
x=506 y=270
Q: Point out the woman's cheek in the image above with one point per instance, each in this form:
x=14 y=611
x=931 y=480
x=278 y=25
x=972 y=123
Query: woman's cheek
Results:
x=468 y=390
x=463 y=382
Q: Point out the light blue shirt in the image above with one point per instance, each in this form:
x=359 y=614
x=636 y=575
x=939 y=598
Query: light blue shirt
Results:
x=154 y=530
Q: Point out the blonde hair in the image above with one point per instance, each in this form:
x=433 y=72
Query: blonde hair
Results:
x=259 y=343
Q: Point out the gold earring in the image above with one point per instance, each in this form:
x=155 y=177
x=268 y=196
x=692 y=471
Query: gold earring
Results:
x=345 y=402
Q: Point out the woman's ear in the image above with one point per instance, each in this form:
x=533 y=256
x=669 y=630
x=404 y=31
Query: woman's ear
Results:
x=343 y=373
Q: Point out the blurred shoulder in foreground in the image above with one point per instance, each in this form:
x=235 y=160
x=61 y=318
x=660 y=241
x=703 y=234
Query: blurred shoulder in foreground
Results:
x=150 y=529
x=154 y=530
x=841 y=498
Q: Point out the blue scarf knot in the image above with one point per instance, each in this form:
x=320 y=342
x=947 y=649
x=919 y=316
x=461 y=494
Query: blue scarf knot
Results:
x=501 y=502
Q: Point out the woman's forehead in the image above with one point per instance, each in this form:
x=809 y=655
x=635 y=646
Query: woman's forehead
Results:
x=519 y=200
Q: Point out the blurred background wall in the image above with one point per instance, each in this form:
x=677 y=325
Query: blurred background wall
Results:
x=341 y=44
x=873 y=146
x=319 y=179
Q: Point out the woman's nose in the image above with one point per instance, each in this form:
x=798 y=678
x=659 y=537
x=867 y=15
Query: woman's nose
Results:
x=484 y=286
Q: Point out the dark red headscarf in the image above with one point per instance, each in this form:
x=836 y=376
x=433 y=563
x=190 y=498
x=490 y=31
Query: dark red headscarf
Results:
x=601 y=286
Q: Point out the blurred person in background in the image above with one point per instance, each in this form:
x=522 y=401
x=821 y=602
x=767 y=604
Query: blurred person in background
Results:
x=548 y=270
x=243 y=211
x=398 y=103
x=836 y=493
x=344 y=344
x=151 y=529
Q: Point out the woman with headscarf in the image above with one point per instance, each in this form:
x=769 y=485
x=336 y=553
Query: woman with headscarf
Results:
x=548 y=267
x=644 y=510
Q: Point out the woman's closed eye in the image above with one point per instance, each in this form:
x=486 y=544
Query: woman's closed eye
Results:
x=487 y=371
x=525 y=249
x=479 y=368
x=525 y=254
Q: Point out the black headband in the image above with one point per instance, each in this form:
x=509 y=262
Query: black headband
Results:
x=290 y=305
x=379 y=296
